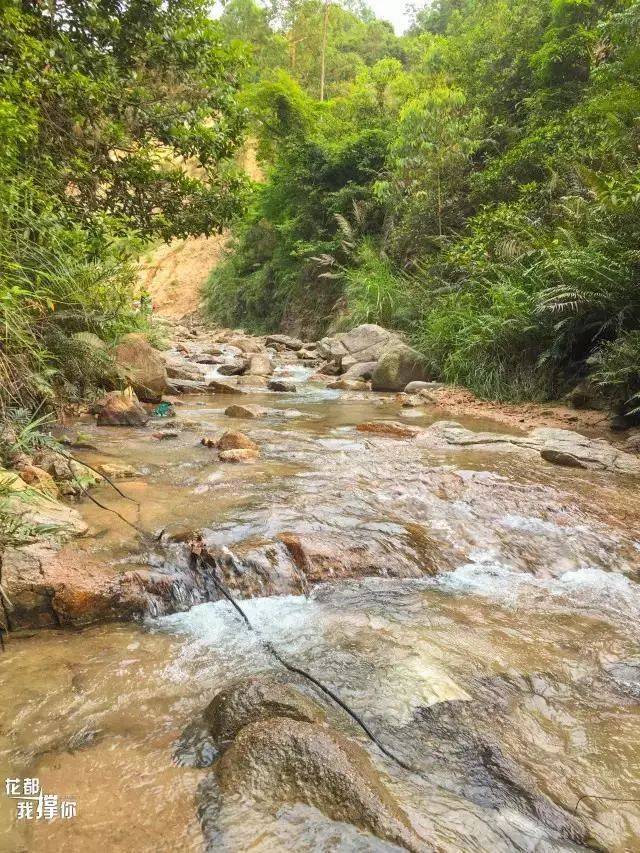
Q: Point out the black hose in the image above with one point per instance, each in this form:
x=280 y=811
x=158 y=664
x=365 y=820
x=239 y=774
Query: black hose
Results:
x=304 y=674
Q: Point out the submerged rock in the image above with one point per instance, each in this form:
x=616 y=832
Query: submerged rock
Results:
x=254 y=699
x=244 y=455
x=392 y=428
x=278 y=760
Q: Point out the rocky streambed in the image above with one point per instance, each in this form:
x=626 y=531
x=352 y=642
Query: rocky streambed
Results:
x=471 y=591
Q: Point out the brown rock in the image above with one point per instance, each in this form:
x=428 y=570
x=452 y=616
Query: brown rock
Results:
x=236 y=441
x=122 y=409
x=391 y=428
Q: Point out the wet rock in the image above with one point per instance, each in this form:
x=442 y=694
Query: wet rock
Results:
x=284 y=341
x=221 y=387
x=281 y=385
x=122 y=409
x=144 y=366
x=241 y=455
x=348 y=385
x=397 y=367
x=321 y=556
x=235 y=441
x=259 y=365
x=596 y=454
x=238 y=411
x=279 y=761
x=458 y=738
x=392 y=428
x=253 y=699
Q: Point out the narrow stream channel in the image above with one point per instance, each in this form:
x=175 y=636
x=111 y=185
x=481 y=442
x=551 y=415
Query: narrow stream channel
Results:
x=494 y=644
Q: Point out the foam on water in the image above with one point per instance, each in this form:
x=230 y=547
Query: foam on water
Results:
x=586 y=590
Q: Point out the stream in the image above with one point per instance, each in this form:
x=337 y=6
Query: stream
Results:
x=479 y=610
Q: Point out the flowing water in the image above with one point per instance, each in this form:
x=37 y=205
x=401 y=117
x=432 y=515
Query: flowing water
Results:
x=495 y=647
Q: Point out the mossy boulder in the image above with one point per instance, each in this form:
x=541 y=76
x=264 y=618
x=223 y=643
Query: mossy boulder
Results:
x=398 y=366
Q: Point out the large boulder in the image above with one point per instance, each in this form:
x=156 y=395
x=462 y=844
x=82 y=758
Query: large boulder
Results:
x=365 y=343
x=253 y=699
x=144 y=367
x=398 y=366
x=280 y=760
x=122 y=409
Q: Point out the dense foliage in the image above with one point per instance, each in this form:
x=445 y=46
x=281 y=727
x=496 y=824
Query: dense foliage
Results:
x=478 y=185
x=118 y=122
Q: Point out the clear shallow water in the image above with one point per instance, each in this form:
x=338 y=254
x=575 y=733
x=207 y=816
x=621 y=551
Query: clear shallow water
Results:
x=523 y=646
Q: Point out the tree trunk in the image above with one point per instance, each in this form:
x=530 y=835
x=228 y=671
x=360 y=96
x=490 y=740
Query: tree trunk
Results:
x=325 y=23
